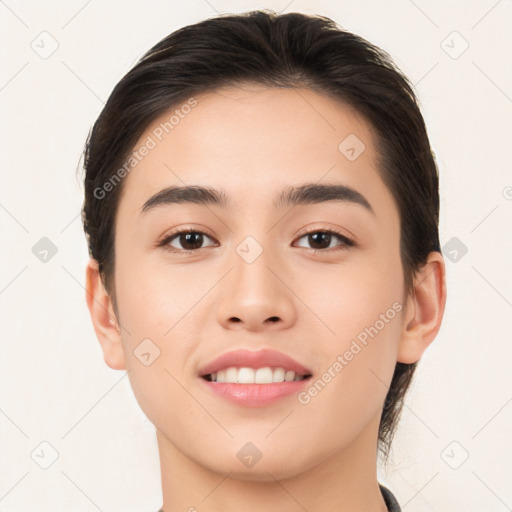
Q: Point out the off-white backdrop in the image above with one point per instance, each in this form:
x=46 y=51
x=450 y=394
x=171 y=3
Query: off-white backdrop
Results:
x=72 y=436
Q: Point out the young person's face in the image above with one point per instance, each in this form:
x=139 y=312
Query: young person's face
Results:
x=254 y=282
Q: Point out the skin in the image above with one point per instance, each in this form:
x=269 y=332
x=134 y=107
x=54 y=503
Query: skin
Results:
x=253 y=142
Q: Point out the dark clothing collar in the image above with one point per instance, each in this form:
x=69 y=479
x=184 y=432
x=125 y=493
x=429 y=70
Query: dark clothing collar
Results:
x=390 y=499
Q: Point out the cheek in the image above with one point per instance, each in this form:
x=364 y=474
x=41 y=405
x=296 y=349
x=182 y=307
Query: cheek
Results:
x=358 y=360
x=352 y=296
x=361 y=311
x=159 y=316
x=163 y=314
x=153 y=296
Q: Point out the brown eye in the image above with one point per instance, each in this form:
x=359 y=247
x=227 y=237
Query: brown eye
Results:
x=321 y=240
x=187 y=241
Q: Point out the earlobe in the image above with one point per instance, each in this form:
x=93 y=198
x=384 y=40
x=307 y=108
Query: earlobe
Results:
x=425 y=309
x=103 y=318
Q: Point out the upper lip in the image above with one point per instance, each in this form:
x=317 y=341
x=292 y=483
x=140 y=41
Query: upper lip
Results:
x=254 y=359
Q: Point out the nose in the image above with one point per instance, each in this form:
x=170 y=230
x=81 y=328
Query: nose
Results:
x=256 y=295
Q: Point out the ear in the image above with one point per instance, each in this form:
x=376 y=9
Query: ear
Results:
x=424 y=311
x=103 y=318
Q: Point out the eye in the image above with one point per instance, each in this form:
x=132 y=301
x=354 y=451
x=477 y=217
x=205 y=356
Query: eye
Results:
x=321 y=240
x=189 y=239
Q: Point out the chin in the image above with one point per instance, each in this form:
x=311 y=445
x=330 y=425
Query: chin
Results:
x=265 y=469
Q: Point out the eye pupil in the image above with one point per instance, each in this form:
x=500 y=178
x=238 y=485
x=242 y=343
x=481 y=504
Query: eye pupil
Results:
x=187 y=238
x=322 y=235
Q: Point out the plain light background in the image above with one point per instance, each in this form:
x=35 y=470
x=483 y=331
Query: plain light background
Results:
x=453 y=449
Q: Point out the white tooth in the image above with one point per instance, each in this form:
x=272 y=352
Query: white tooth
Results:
x=289 y=376
x=231 y=374
x=278 y=375
x=246 y=376
x=263 y=375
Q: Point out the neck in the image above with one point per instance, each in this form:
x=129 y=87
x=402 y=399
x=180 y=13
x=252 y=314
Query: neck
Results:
x=345 y=481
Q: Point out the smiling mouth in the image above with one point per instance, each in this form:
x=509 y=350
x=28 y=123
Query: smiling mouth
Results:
x=245 y=375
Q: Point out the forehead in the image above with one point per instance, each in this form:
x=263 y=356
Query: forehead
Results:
x=251 y=142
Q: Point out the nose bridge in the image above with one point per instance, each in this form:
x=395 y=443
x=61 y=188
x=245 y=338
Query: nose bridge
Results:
x=254 y=250
x=254 y=296
x=252 y=259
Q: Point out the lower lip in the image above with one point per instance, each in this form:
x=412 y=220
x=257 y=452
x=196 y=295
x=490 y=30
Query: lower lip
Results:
x=256 y=395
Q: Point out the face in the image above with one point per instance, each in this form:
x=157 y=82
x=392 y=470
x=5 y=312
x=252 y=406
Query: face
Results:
x=318 y=280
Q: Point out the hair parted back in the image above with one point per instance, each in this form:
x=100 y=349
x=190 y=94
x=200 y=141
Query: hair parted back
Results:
x=291 y=50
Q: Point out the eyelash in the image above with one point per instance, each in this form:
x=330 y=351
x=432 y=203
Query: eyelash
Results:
x=347 y=242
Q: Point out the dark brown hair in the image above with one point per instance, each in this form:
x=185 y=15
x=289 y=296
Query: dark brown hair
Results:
x=290 y=50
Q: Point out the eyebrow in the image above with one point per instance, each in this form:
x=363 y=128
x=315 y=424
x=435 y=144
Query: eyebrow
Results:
x=306 y=194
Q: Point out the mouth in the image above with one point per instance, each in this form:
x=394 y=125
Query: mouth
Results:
x=264 y=375
x=255 y=388
x=249 y=378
